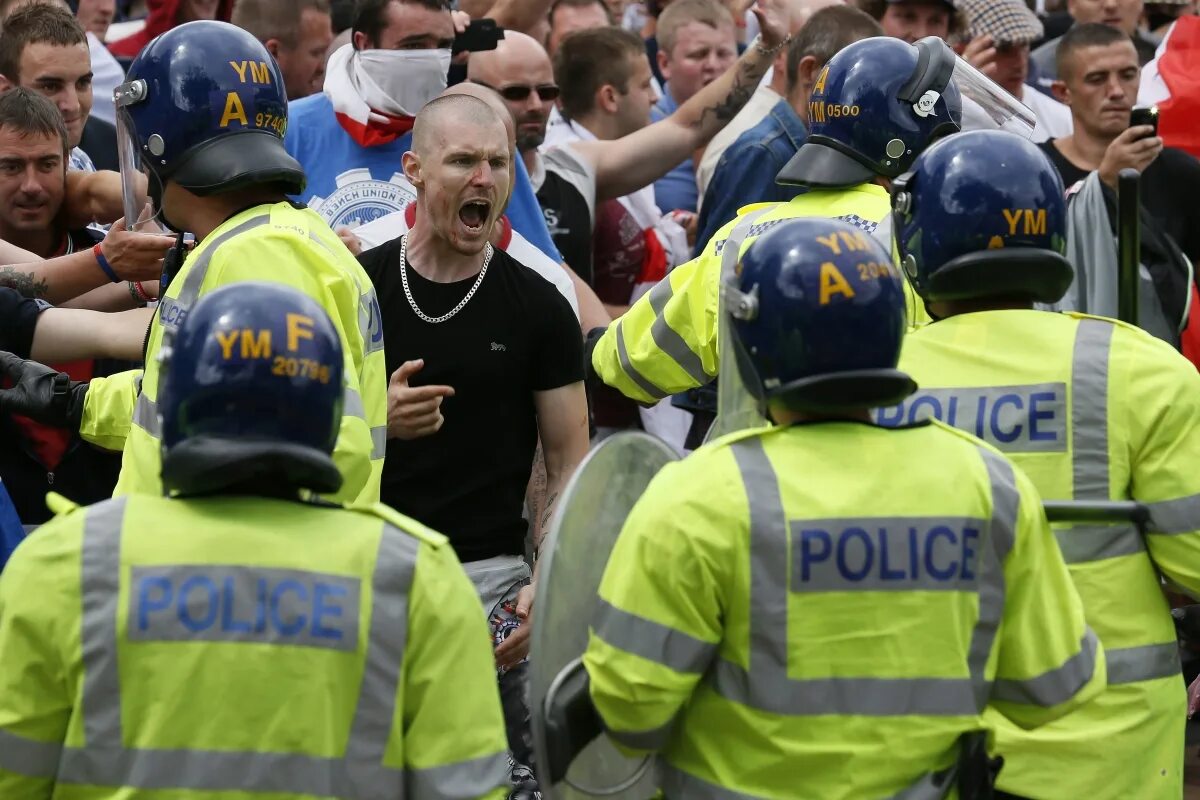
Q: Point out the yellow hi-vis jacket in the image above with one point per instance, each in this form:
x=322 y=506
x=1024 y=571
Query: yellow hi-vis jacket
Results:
x=243 y=649
x=666 y=342
x=821 y=610
x=281 y=244
x=1090 y=409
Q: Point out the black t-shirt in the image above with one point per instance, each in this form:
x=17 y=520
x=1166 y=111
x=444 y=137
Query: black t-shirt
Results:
x=1168 y=192
x=516 y=336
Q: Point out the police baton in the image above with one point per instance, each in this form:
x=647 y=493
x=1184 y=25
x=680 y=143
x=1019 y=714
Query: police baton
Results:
x=1098 y=511
x=1129 y=245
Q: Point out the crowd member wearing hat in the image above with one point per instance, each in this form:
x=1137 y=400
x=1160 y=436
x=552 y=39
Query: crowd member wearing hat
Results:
x=1000 y=33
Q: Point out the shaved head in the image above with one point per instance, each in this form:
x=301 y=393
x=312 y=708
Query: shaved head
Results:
x=494 y=102
x=514 y=54
x=461 y=165
x=520 y=72
x=447 y=113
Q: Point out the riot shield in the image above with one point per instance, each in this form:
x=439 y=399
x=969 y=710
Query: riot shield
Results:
x=737 y=407
x=590 y=516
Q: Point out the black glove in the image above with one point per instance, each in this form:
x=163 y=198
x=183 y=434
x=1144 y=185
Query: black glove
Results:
x=40 y=393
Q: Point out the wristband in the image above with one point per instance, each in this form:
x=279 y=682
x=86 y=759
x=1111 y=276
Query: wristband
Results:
x=139 y=293
x=98 y=252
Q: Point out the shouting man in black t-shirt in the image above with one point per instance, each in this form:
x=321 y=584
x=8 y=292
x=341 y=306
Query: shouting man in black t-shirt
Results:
x=485 y=357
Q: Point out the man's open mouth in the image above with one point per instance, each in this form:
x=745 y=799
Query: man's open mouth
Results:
x=474 y=213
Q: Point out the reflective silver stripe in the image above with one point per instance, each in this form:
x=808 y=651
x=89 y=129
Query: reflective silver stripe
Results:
x=27 y=757
x=652 y=640
x=373 y=716
x=1001 y=535
x=360 y=774
x=1082 y=543
x=655 y=739
x=767 y=657
x=225 y=771
x=1145 y=663
x=145 y=416
x=352 y=404
x=1055 y=686
x=627 y=366
x=1089 y=410
x=869 y=697
x=669 y=341
x=1175 y=516
x=464 y=780
x=99 y=592
x=765 y=684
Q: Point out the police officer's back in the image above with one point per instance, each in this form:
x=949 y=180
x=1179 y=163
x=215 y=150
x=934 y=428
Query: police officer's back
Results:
x=822 y=609
x=1092 y=410
x=231 y=640
x=202 y=113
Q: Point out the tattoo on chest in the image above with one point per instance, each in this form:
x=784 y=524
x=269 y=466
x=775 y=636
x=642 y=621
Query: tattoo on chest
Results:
x=24 y=282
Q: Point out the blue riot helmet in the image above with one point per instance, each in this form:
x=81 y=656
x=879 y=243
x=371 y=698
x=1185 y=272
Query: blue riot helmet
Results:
x=203 y=105
x=879 y=102
x=818 y=315
x=982 y=214
x=251 y=394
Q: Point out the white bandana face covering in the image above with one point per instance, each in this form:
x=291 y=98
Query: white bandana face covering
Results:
x=399 y=82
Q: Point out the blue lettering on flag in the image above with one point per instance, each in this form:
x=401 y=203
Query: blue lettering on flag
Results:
x=225 y=603
x=885 y=554
x=1016 y=419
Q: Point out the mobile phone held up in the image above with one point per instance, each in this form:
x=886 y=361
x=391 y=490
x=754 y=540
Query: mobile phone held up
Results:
x=1145 y=116
x=481 y=34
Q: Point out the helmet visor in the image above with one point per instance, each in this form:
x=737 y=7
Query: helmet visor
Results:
x=134 y=184
x=988 y=106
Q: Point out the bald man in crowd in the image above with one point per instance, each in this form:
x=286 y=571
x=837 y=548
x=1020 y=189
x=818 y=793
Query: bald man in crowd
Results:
x=485 y=357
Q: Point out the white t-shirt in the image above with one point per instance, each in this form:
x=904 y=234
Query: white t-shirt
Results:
x=1053 y=118
x=395 y=225
x=107 y=75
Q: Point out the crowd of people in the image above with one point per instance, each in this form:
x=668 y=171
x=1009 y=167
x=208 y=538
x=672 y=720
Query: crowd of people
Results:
x=408 y=261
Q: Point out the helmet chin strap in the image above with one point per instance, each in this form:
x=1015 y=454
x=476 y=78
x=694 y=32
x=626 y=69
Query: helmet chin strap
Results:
x=155 y=187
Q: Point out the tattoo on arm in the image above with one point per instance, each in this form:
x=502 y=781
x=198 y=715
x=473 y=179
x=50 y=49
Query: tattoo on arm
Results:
x=26 y=283
x=739 y=94
x=547 y=514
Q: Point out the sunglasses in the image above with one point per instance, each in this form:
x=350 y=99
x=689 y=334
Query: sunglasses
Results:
x=516 y=93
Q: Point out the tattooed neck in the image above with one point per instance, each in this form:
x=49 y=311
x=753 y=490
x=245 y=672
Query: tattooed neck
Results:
x=27 y=283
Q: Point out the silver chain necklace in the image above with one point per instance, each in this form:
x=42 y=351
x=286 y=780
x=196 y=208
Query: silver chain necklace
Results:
x=487 y=259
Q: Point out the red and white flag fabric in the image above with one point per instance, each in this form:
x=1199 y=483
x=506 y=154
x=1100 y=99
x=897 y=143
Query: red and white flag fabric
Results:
x=1171 y=81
